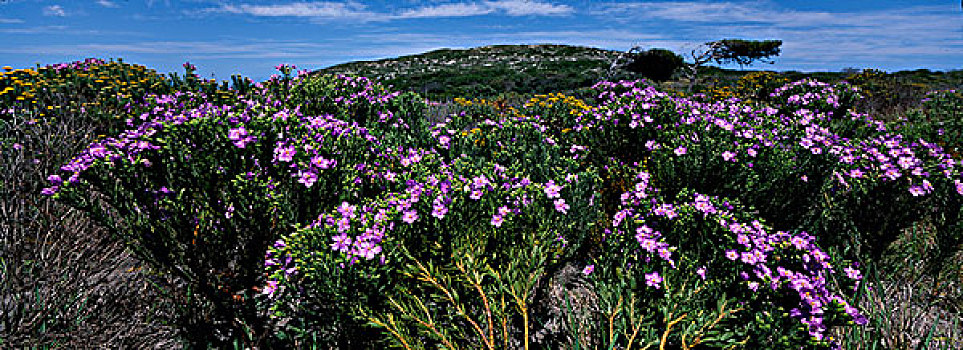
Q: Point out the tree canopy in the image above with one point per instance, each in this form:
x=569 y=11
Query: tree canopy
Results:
x=743 y=52
x=656 y=64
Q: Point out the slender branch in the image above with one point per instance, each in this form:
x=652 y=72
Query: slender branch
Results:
x=668 y=329
x=635 y=326
x=490 y=340
x=723 y=313
x=618 y=308
x=429 y=324
x=394 y=332
x=426 y=276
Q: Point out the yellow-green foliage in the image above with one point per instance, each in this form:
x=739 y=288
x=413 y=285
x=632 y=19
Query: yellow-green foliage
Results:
x=751 y=87
x=867 y=80
x=111 y=83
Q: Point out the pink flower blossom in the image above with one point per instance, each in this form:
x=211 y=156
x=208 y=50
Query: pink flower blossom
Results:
x=308 y=178
x=653 y=280
x=561 y=206
x=728 y=156
x=409 y=216
x=552 y=190
x=497 y=220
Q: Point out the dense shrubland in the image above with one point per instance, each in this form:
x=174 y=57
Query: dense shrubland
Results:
x=332 y=211
x=501 y=71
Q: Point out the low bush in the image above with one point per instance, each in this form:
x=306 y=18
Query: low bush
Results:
x=318 y=210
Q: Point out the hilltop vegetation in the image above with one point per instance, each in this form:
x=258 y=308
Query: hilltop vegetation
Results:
x=489 y=71
x=506 y=70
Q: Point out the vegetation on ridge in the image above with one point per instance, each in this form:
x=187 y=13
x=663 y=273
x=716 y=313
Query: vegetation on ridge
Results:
x=512 y=70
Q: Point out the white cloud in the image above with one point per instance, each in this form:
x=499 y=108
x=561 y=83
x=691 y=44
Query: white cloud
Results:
x=690 y=11
x=727 y=13
x=357 y=11
x=198 y=49
x=508 y=7
x=54 y=10
x=372 y=45
x=530 y=7
x=62 y=30
x=446 y=10
x=299 y=9
x=107 y=3
x=10 y=20
x=35 y=30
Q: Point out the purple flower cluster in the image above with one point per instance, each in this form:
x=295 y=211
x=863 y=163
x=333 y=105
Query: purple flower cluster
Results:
x=283 y=263
x=351 y=92
x=651 y=241
x=77 y=65
x=809 y=92
x=167 y=111
x=809 y=128
x=781 y=261
x=240 y=137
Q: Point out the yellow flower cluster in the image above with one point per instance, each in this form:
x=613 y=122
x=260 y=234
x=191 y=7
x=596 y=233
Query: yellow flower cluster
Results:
x=722 y=93
x=750 y=87
x=472 y=131
x=499 y=106
x=754 y=83
x=114 y=83
x=17 y=84
x=866 y=76
x=553 y=100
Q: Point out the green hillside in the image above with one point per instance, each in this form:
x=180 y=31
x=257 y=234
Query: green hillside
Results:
x=489 y=70
x=513 y=70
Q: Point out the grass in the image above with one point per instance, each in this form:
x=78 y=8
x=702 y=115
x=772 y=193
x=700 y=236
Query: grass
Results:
x=64 y=283
x=911 y=303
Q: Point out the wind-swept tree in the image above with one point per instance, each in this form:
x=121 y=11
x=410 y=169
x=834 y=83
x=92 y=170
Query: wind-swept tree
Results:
x=739 y=51
x=743 y=52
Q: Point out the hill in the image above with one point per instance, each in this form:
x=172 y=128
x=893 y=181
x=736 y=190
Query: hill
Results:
x=489 y=70
x=494 y=70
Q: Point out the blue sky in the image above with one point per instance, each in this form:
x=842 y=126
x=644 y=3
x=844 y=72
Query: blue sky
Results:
x=251 y=36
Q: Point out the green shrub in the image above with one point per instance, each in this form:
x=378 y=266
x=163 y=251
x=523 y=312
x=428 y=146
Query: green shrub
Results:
x=656 y=64
x=643 y=219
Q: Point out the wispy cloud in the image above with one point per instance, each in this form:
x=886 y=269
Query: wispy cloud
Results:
x=819 y=37
x=35 y=30
x=690 y=11
x=54 y=10
x=298 y=9
x=530 y=7
x=357 y=11
x=64 y=31
x=446 y=10
x=107 y=3
x=811 y=37
x=771 y=14
x=507 y=7
x=378 y=45
x=198 y=49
